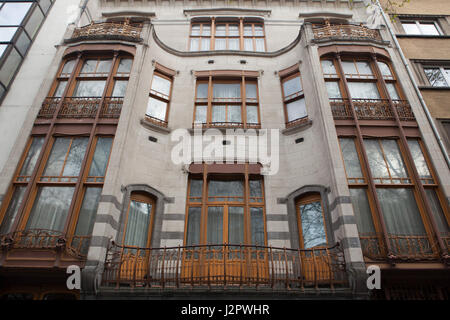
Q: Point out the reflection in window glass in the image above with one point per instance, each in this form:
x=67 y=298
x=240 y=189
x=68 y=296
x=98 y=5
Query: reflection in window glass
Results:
x=362 y=211
x=138 y=222
x=363 y=90
x=13 y=13
x=438 y=214
x=156 y=108
x=87 y=214
x=6 y=33
x=257 y=226
x=200 y=114
x=120 y=87
x=34 y=22
x=328 y=67
x=161 y=85
x=125 y=66
x=333 y=90
x=435 y=76
x=292 y=86
x=193 y=227
x=296 y=110
x=101 y=157
x=351 y=160
x=224 y=189
x=313 y=229
x=50 y=208
x=384 y=68
x=89 y=88
x=419 y=159
x=214 y=233
x=392 y=91
x=235 y=225
x=13 y=209
x=32 y=156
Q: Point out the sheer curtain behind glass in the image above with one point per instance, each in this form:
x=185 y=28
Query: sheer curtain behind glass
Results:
x=138 y=223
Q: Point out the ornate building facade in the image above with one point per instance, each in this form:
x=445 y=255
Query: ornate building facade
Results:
x=89 y=177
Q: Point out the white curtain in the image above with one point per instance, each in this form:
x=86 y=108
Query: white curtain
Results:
x=138 y=224
x=193 y=227
x=257 y=226
x=235 y=225
x=227 y=90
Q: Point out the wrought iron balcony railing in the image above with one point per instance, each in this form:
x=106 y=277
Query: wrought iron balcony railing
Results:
x=76 y=246
x=403 y=247
x=224 y=265
x=230 y=125
x=371 y=109
x=109 y=29
x=81 y=107
x=345 y=31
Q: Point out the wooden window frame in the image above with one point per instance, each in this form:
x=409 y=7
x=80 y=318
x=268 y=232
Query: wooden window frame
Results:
x=213 y=22
x=161 y=97
x=144 y=198
x=292 y=98
x=243 y=102
x=307 y=199
x=205 y=203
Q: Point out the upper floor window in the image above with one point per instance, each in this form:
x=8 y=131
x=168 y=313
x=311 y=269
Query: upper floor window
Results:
x=421 y=28
x=217 y=34
x=234 y=211
x=159 y=99
x=231 y=102
x=293 y=99
x=438 y=76
x=19 y=23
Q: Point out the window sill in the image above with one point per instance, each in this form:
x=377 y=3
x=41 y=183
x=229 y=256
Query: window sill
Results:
x=300 y=126
x=444 y=36
x=152 y=126
x=433 y=88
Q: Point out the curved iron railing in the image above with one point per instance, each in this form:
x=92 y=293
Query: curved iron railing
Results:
x=224 y=265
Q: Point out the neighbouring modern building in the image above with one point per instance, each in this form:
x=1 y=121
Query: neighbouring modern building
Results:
x=90 y=127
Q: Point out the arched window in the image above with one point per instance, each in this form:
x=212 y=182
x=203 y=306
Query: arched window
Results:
x=311 y=221
x=139 y=220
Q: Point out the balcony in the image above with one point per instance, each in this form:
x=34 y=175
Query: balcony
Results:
x=108 y=31
x=224 y=266
x=42 y=248
x=226 y=125
x=345 y=32
x=371 y=109
x=81 y=107
x=403 y=247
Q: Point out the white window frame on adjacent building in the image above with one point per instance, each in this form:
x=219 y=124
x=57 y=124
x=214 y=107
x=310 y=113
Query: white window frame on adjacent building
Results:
x=421 y=30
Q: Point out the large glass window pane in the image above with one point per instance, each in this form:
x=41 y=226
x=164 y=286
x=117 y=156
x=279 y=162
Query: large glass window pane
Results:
x=333 y=90
x=376 y=159
x=68 y=67
x=125 y=66
x=394 y=159
x=221 y=30
x=45 y=5
x=50 y=208
x=101 y=157
x=248 y=44
x=233 y=44
x=248 y=30
x=419 y=159
x=161 y=85
x=259 y=31
x=7 y=33
x=400 y=211
x=435 y=77
x=233 y=30
x=221 y=44
x=250 y=91
x=193 y=227
x=364 y=67
x=13 y=13
x=60 y=89
x=410 y=28
x=296 y=110
x=138 y=223
x=349 y=67
x=252 y=114
x=218 y=113
x=33 y=153
x=234 y=114
x=205 y=44
x=392 y=91
x=292 y=86
x=89 y=88
x=438 y=214
x=104 y=66
x=2 y=49
x=255 y=188
x=10 y=66
x=200 y=114
x=34 y=22
x=215 y=225
x=194 y=44
x=363 y=90
x=232 y=190
x=23 y=43
x=313 y=228
x=66 y=157
x=120 y=87
x=156 y=108
x=195 y=30
x=351 y=159
x=257 y=226
x=235 y=225
x=202 y=91
x=206 y=30
x=88 y=212
x=260 y=45
x=89 y=66
x=384 y=68
x=227 y=90
x=328 y=67
x=362 y=211
x=196 y=188
x=429 y=29
x=13 y=208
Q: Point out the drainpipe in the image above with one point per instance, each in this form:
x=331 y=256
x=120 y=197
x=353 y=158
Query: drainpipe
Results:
x=416 y=88
x=83 y=8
